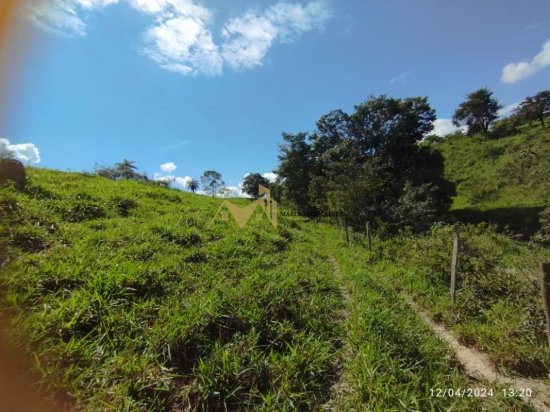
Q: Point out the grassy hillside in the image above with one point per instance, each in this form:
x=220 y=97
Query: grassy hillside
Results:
x=128 y=299
x=504 y=180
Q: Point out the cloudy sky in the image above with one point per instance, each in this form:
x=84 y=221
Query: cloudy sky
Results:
x=182 y=86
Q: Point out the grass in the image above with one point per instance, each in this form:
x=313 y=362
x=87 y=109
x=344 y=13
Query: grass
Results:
x=129 y=301
x=500 y=181
x=128 y=298
x=395 y=359
x=509 y=172
x=498 y=303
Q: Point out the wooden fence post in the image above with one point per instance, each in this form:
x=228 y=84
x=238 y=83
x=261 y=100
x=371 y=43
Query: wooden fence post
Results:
x=545 y=276
x=347 y=235
x=368 y=234
x=454 y=264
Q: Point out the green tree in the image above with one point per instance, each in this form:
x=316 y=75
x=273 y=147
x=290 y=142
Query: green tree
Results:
x=126 y=169
x=535 y=107
x=192 y=185
x=212 y=181
x=251 y=182
x=107 y=172
x=368 y=166
x=389 y=129
x=477 y=112
x=332 y=129
x=294 y=170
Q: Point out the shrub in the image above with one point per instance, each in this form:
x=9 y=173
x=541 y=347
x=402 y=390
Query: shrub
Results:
x=123 y=206
x=83 y=210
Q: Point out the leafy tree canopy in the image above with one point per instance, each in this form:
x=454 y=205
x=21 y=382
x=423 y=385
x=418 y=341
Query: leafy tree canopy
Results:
x=126 y=169
x=367 y=165
x=477 y=112
x=192 y=185
x=212 y=181
x=535 y=107
x=251 y=182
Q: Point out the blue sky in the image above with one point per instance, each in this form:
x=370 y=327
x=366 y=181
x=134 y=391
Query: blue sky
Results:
x=211 y=84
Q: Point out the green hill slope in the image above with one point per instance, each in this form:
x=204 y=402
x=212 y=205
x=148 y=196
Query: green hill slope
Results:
x=505 y=181
x=128 y=299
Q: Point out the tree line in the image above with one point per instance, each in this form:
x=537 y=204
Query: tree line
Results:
x=369 y=165
x=211 y=180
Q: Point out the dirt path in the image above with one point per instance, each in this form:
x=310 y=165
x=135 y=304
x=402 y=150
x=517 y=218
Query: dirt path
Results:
x=478 y=365
x=340 y=388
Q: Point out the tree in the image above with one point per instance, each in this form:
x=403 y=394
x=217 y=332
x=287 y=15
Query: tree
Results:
x=107 y=172
x=390 y=129
x=332 y=129
x=368 y=166
x=294 y=170
x=192 y=185
x=127 y=169
x=122 y=170
x=224 y=191
x=535 y=107
x=251 y=182
x=477 y=112
x=212 y=181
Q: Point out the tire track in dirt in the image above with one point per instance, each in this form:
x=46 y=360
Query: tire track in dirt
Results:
x=477 y=364
x=340 y=387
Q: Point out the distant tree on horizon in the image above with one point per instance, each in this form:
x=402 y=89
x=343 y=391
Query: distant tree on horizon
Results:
x=224 y=191
x=192 y=185
x=535 y=107
x=477 y=112
x=251 y=182
x=212 y=181
x=126 y=168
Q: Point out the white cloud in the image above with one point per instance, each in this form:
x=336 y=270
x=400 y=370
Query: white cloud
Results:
x=166 y=176
x=293 y=18
x=181 y=39
x=443 y=127
x=160 y=178
x=402 y=78
x=168 y=167
x=507 y=110
x=58 y=16
x=177 y=145
x=248 y=40
x=26 y=153
x=183 y=45
x=182 y=181
x=249 y=37
x=270 y=176
x=232 y=191
x=514 y=72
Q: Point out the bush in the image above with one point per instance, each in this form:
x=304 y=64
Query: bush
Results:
x=503 y=128
x=83 y=210
x=123 y=206
x=107 y=172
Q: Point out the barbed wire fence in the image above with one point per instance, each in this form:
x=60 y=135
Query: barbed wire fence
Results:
x=459 y=254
